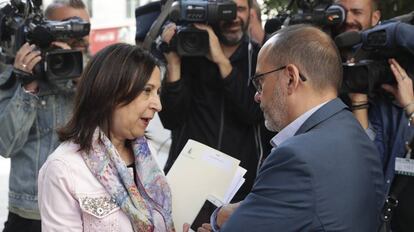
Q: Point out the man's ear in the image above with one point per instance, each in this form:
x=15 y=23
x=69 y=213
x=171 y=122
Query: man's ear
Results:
x=375 y=17
x=294 y=78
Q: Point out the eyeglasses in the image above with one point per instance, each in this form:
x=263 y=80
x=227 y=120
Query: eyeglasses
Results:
x=257 y=79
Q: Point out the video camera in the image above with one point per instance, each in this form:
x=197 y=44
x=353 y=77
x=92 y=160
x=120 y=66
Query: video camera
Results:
x=371 y=49
x=190 y=41
x=321 y=13
x=24 y=22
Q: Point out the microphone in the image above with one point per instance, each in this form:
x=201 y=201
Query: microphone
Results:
x=348 y=39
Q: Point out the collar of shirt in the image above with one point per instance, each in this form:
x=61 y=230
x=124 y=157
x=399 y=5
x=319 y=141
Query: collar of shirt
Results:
x=290 y=130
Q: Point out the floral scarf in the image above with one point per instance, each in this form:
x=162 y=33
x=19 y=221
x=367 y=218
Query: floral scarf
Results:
x=138 y=202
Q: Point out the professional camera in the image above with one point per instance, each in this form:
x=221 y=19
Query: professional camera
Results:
x=190 y=41
x=370 y=50
x=24 y=22
x=320 y=13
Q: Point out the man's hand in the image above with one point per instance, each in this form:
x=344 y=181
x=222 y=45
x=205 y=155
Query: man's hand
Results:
x=26 y=59
x=166 y=36
x=205 y=227
x=173 y=60
x=225 y=212
x=361 y=114
x=61 y=45
x=222 y=216
x=216 y=53
x=403 y=91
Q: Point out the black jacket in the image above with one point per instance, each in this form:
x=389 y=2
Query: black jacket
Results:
x=220 y=113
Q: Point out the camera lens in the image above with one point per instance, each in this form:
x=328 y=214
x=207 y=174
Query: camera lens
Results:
x=191 y=42
x=62 y=64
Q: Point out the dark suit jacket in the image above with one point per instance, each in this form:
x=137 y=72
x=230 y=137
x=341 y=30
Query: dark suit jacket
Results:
x=327 y=177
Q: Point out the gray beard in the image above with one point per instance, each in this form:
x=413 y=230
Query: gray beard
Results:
x=227 y=42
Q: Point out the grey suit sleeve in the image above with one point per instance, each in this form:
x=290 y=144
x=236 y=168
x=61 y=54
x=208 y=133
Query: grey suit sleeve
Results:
x=281 y=199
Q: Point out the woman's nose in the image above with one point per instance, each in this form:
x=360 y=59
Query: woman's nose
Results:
x=156 y=104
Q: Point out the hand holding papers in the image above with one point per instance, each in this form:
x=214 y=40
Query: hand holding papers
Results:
x=200 y=171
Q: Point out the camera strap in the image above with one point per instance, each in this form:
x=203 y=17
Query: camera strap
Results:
x=156 y=27
x=23 y=77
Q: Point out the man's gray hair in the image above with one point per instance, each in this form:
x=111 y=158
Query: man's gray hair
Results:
x=77 y=4
x=312 y=51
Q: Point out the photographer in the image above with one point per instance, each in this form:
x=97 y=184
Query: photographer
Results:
x=381 y=117
x=209 y=98
x=31 y=110
x=387 y=121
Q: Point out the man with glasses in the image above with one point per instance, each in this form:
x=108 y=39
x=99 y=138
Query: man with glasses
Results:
x=323 y=173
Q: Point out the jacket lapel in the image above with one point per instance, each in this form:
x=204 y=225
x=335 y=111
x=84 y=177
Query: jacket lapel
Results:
x=325 y=112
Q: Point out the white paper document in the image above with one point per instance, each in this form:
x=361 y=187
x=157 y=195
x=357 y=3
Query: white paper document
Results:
x=200 y=171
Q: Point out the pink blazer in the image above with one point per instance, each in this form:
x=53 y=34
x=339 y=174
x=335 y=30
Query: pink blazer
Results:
x=71 y=199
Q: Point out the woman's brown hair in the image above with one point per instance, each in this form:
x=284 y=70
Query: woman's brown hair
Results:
x=115 y=76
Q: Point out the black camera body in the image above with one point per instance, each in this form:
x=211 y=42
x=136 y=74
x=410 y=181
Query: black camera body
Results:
x=371 y=49
x=190 y=41
x=321 y=13
x=24 y=22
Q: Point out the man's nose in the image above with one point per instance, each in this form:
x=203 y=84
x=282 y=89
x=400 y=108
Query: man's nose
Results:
x=257 y=97
x=349 y=17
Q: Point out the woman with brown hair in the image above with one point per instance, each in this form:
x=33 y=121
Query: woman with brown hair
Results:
x=103 y=176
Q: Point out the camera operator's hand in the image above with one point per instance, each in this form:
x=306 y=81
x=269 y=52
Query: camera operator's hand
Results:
x=216 y=52
x=359 y=107
x=403 y=91
x=174 y=61
x=26 y=58
x=61 y=45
